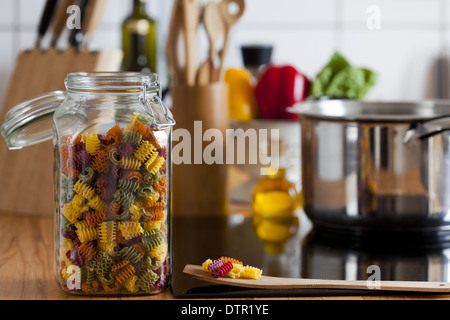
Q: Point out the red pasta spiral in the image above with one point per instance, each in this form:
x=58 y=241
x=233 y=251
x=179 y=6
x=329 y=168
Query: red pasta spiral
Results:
x=107 y=192
x=75 y=257
x=81 y=160
x=80 y=146
x=216 y=264
x=114 y=209
x=126 y=150
x=163 y=153
x=222 y=271
x=116 y=171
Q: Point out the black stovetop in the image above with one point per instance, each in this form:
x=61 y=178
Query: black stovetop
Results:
x=310 y=253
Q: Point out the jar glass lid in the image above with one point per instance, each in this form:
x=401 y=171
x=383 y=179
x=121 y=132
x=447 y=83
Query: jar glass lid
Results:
x=30 y=122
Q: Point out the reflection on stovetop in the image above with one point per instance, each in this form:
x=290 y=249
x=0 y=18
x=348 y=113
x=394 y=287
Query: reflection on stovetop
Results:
x=304 y=252
x=397 y=257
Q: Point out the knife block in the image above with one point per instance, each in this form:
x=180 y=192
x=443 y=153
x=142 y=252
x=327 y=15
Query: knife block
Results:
x=200 y=189
x=27 y=174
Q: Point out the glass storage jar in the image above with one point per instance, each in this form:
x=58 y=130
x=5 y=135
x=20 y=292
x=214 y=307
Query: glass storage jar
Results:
x=112 y=174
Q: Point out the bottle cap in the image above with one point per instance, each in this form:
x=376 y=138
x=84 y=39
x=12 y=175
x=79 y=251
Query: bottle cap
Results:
x=256 y=55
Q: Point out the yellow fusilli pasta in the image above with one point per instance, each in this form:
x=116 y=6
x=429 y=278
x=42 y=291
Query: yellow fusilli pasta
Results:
x=84 y=190
x=131 y=163
x=236 y=271
x=107 y=232
x=85 y=232
x=130 y=229
x=155 y=165
x=159 y=252
x=144 y=151
x=92 y=143
x=250 y=272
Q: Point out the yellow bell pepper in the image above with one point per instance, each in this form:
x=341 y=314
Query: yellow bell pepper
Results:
x=242 y=101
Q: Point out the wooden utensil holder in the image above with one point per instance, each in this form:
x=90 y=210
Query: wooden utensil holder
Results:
x=200 y=189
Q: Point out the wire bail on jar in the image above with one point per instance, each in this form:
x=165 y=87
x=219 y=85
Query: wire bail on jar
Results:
x=156 y=100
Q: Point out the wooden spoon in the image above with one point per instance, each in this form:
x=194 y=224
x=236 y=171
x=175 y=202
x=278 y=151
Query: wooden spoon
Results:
x=214 y=24
x=204 y=72
x=173 y=45
x=229 y=20
x=191 y=14
x=276 y=283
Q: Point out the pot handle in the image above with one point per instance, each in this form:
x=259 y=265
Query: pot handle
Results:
x=428 y=128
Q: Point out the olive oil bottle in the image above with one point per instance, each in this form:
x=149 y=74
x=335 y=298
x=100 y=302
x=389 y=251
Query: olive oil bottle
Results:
x=139 y=40
x=275 y=201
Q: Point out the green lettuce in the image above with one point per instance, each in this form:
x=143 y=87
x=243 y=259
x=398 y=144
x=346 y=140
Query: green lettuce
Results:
x=339 y=79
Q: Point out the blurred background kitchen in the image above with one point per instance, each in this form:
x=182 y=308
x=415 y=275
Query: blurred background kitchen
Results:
x=404 y=43
x=413 y=34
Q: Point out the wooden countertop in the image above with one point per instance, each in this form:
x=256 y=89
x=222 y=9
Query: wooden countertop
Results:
x=26 y=265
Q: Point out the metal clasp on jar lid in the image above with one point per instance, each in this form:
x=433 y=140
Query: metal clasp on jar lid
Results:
x=156 y=100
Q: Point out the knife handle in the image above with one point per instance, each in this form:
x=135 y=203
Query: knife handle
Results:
x=94 y=15
x=76 y=35
x=60 y=20
x=46 y=19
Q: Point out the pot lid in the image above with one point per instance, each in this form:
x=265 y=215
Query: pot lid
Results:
x=354 y=110
x=30 y=122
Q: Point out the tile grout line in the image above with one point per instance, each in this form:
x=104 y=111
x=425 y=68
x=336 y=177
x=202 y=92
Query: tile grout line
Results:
x=339 y=25
x=16 y=28
x=443 y=25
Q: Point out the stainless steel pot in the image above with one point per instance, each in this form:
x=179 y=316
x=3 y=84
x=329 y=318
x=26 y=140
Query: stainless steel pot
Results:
x=376 y=165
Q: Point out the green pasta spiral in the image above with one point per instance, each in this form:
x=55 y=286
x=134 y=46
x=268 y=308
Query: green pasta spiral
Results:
x=128 y=185
x=130 y=254
x=115 y=156
x=124 y=198
x=152 y=238
x=147 y=280
x=132 y=137
x=88 y=177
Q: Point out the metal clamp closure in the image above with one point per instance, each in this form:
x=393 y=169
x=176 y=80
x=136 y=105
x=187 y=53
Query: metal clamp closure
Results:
x=156 y=99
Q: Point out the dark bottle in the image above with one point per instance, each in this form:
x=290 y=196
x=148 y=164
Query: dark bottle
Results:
x=139 y=40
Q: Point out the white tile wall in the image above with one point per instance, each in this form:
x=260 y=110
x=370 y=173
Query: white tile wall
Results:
x=304 y=33
x=6 y=14
x=402 y=59
x=394 y=11
x=270 y=11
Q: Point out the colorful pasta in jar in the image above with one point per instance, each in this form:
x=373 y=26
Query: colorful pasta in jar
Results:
x=112 y=174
